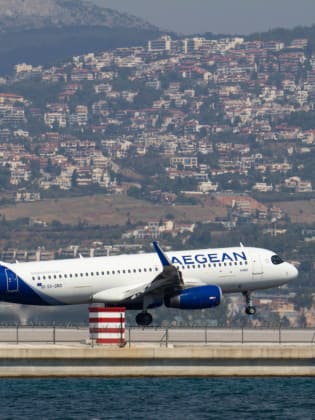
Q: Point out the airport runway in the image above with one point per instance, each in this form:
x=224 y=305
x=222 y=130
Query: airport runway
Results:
x=136 y=336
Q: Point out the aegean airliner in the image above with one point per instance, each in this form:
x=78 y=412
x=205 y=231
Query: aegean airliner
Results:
x=192 y=279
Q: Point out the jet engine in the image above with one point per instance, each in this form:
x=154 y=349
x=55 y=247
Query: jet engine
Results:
x=195 y=298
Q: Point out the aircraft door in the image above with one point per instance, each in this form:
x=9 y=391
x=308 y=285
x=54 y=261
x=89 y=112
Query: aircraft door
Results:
x=12 y=281
x=257 y=268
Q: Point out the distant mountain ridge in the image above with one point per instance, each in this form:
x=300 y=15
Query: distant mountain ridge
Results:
x=43 y=32
x=17 y=15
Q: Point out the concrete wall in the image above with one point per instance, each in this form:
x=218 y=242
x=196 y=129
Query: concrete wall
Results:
x=213 y=360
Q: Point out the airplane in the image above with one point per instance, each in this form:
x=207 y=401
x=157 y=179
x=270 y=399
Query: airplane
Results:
x=191 y=279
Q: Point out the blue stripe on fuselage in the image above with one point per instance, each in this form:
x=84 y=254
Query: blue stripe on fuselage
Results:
x=22 y=292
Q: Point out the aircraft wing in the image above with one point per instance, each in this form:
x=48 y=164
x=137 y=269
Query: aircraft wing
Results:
x=169 y=279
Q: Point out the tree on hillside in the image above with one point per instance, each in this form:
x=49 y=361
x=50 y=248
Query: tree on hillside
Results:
x=4 y=177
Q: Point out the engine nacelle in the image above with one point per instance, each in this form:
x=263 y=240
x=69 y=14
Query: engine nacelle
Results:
x=195 y=298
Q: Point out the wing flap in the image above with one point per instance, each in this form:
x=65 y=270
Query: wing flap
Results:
x=170 y=279
x=119 y=294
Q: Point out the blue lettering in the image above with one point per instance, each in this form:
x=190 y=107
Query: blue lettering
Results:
x=175 y=260
x=242 y=256
x=187 y=259
x=200 y=258
x=213 y=258
x=226 y=256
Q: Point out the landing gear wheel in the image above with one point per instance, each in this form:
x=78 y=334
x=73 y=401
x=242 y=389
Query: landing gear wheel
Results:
x=144 y=318
x=250 y=310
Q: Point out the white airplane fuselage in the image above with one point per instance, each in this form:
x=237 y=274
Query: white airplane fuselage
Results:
x=108 y=279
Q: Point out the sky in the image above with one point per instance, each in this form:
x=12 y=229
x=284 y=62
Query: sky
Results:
x=218 y=16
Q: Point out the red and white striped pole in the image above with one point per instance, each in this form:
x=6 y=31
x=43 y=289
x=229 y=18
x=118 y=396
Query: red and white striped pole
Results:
x=107 y=325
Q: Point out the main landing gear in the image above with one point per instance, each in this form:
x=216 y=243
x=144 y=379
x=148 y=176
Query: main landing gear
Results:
x=144 y=318
x=250 y=309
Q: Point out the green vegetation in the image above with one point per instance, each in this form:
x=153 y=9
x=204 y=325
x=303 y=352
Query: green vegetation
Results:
x=4 y=177
x=303 y=119
x=21 y=233
x=38 y=92
x=50 y=45
x=286 y=35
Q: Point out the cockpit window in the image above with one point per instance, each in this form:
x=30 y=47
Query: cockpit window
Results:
x=275 y=259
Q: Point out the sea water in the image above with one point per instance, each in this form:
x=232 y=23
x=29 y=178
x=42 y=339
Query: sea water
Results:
x=158 y=398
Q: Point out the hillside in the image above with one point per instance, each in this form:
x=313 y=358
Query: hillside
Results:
x=48 y=46
x=45 y=32
x=287 y=35
x=16 y=15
